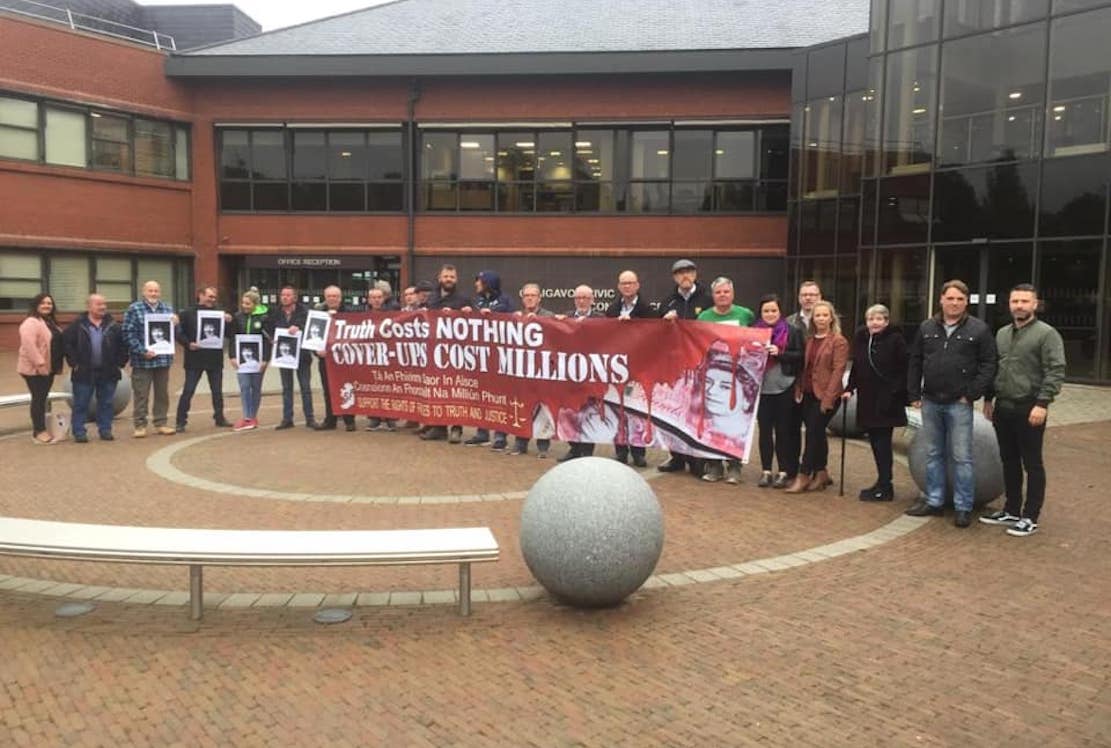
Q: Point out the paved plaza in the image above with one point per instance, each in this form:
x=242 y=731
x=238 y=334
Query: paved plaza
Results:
x=770 y=620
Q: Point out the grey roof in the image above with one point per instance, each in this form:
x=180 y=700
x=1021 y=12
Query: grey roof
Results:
x=486 y=27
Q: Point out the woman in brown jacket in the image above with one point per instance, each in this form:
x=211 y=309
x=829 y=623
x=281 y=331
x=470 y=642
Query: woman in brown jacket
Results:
x=819 y=390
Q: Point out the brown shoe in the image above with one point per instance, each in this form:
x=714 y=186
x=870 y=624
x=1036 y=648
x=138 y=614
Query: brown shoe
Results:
x=820 y=481
x=166 y=431
x=798 y=484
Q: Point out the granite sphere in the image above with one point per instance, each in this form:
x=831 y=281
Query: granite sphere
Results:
x=591 y=531
x=987 y=467
x=120 y=400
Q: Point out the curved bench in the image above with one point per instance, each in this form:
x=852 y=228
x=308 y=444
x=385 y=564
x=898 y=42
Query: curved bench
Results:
x=197 y=548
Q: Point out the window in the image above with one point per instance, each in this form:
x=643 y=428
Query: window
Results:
x=1074 y=193
x=825 y=73
x=111 y=141
x=1070 y=291
x=991 y=96
x=606 y=170
x=154 y=148
x=20 y=280
x=66 y=137
x=554 y=188
x=852 y=158
x=1079 y=81
x=69 y=282
x=72 y=135
x=904 y=209
x=694 y=161
x=822 y=147
x=649 y=172
x=970 y=16
x=992 y=202
x=594 y=171
x=909 y=104
x=878 y=32
x=114 y=281
x=310 y=171
x=1064 y=6
x=19 y=129
x=912 y=22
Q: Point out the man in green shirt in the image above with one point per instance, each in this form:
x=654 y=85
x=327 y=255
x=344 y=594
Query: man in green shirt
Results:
x=1031 y=370
x=725 y=312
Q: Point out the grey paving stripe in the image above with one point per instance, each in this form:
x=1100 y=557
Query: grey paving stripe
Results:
x=161 y=464
x=894 y=529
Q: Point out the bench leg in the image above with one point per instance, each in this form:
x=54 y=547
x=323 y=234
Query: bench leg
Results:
x=196 y=593
x=464 y=589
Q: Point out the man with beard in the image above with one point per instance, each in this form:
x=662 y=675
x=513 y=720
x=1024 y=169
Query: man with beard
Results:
x=200 y=362
x=445 y=296
x=487 y=300
x=1031 y=370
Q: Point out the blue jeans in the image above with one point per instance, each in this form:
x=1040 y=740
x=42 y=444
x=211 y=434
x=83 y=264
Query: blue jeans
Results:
x=250 y=394
x=520 y=443
x=105 y=391
x=947 y=429
x=304 y=383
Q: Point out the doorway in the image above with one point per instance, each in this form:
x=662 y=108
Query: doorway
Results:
x=990 y=270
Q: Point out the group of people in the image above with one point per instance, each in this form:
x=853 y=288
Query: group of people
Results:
x=953 y=361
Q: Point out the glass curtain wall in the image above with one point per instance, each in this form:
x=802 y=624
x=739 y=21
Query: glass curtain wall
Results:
x=979 y=146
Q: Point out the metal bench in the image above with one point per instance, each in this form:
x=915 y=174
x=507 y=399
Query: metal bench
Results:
x=24 y=399
x=197 y=548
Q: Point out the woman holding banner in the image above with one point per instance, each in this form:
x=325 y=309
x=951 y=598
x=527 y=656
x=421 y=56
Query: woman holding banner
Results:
x=777 y=396
x=819 y=391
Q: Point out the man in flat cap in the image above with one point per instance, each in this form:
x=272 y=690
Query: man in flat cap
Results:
x=687 y=301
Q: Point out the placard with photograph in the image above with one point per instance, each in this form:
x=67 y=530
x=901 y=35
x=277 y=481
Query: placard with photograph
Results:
x=316 y=331
x=287 y=349
x=248 y=352
x=210 y=328
x=159 y=332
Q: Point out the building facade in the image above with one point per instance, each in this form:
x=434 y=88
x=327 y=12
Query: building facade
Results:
x=879 y=160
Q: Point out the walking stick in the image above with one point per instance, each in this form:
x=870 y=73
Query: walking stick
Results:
x=844 y=423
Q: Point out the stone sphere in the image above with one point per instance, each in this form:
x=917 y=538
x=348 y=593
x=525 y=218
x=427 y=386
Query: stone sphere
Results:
x=591 y=531
x=987 y=468
x=120 y=401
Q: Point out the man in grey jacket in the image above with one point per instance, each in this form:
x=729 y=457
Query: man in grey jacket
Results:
x=1031 y=370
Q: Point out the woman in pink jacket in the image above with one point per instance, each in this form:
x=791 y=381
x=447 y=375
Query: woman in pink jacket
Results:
x=40 y=358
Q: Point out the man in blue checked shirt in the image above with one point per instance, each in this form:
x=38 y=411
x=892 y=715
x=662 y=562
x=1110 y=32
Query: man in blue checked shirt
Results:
x=148 y=369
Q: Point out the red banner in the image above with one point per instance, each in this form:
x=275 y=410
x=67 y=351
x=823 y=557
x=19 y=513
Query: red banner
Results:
x=689 y=387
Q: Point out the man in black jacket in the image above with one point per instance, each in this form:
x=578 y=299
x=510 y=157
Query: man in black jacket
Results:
x=446 y=296
x=584 y=309
x=95 y=351
x=629 y=305
x=200 y=361
x=952 y=364
x=687 y=301
x=292 y=314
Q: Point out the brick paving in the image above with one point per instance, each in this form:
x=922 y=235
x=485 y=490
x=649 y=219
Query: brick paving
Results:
x=937 y=637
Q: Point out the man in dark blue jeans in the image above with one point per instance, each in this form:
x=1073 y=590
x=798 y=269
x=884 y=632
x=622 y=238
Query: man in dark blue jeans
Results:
x=94 y=349
x=292 y=314
x=952 y=364
x=201 y=361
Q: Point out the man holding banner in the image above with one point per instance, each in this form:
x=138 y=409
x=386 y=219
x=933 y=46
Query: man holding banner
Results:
x=629 y=305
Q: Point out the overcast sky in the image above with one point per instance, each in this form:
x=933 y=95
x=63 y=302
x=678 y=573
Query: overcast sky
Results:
x=274 y=14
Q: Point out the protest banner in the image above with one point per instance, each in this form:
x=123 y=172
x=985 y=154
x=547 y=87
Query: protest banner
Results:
x=689 y=387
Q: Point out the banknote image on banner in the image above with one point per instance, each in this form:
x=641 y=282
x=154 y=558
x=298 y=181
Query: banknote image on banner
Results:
x=688 y=387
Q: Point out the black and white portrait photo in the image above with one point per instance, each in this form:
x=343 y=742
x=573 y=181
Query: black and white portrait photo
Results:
x=316 y=331
x=210 y=329
x=286 y=349
x=159 y=333
x=248 y=352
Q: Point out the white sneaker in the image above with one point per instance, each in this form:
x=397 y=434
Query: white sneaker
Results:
x=1024 y=528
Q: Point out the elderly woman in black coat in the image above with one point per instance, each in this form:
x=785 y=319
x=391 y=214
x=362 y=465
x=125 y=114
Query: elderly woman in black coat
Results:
x=879 y=378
